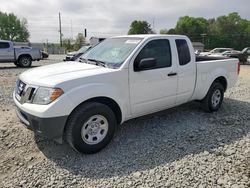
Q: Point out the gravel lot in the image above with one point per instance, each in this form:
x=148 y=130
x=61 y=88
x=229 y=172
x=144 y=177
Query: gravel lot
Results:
x=179 y=147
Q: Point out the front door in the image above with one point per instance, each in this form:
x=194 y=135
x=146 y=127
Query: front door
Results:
x=155 y=88
x=6 y=53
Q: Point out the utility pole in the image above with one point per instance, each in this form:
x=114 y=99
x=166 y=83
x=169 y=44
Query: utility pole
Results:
x=153 y=23
x=85 y=33
x=71 y=29
x=60 y=29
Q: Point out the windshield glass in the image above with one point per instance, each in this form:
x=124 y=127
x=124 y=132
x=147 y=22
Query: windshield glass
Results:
x=83 y=49
x=113 y=52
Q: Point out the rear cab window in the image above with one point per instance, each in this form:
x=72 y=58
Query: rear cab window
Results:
x=183 y=51
x=4 y=45
x=159 y=49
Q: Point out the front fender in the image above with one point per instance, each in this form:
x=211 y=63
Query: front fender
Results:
x=83 y=93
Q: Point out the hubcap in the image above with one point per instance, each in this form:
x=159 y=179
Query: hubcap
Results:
x=25 y=61
x=94 y=129
x=216 y=97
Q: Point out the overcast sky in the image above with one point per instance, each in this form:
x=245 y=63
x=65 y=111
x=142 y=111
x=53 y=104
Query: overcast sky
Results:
x=112 y=17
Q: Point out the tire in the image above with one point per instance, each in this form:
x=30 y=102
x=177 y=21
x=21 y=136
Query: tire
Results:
x=17 y=64
x=25 y=61
x=214 y=97
x=90 y=127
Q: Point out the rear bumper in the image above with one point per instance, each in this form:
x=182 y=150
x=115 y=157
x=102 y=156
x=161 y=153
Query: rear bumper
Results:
x=51 y=128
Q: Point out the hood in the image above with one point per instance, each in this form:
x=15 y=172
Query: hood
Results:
x=72 y=53
x=52 y=75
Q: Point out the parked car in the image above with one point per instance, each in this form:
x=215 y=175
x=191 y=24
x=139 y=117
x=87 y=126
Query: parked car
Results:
x=215 y=51
x=223 y=54
x=21 y=56
x=119 y=79
x=72 y=56
x=44 y=54
x=241 y=55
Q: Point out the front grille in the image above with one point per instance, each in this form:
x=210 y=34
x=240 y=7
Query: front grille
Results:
x=24 y=93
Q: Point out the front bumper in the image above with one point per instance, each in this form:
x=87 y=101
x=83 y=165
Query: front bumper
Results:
x=68 y=58
x=51 y=128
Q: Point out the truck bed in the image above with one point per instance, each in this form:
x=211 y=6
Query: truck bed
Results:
x=211 y=68
x=208 y=58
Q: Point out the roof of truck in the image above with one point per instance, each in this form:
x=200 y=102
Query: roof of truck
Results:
x=4 y=40
x=148 y=36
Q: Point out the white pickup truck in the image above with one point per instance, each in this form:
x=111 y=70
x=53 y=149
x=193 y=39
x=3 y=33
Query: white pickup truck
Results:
x=119 y=79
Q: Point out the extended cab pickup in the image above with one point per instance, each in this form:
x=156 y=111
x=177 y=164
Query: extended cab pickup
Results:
x=119 y=79
x=21 y=56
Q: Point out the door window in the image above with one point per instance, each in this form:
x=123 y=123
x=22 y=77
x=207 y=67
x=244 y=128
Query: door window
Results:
x=183 y=51
x=4 y=45
x=159 y=50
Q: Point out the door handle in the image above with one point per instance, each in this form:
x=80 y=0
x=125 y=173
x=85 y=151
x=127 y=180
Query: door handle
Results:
x=172 y=74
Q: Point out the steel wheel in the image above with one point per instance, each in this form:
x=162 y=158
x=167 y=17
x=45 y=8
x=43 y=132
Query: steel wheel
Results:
x=216 y=97
x=95 y=129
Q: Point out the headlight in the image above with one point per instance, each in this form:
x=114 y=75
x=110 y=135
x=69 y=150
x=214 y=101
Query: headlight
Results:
x=46 y=95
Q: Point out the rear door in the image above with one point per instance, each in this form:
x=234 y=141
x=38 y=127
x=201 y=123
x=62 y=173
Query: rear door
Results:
x=6 y=52
x=155 y=88
x=186 y=71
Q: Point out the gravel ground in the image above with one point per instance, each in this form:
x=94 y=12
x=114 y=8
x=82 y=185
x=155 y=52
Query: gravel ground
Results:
x=179 y=147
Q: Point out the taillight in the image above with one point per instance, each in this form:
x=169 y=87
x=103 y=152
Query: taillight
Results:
x=238 y=68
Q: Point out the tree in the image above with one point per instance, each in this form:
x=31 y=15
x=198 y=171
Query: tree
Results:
x=80 y=41
x=13 y=28
x=163 y=31
x=192 y=27
x=229 y=31
x=171 y=31
x=67 y=44
x=225 y=31
x=140 y=27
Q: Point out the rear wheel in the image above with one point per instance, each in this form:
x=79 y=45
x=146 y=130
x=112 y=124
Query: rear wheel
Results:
x=90 y=127
x=25 y=61
x=214 y=97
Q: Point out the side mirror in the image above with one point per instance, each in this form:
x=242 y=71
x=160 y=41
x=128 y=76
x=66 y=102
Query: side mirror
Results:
x=146 y=64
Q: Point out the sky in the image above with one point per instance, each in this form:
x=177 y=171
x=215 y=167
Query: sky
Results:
x=105 y=18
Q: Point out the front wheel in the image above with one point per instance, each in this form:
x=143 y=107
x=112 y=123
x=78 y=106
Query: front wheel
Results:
x=90 y=127
x=214 y=97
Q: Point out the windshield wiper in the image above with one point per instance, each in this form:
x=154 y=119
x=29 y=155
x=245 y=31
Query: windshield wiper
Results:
x=83 y=60
x=98 y=62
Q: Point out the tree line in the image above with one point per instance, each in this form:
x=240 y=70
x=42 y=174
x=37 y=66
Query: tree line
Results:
x=223 y=31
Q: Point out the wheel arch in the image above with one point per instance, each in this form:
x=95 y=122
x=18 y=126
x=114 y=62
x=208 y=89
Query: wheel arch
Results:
x=222 y=80
x=107 y=101
x=24 y=55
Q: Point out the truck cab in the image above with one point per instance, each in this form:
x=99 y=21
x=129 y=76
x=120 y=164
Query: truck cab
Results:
x=6 y=51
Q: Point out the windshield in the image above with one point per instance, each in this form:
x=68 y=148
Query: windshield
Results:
x=113 y=52
x=83 y=49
